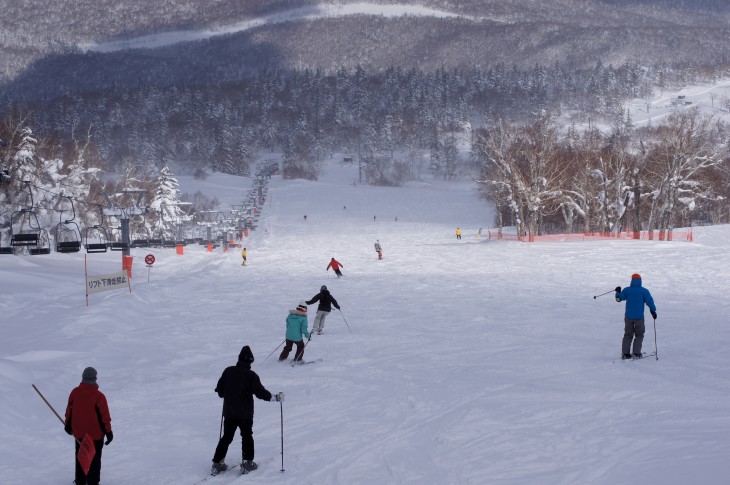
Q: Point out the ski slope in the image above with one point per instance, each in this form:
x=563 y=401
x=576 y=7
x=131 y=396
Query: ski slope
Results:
x=468 y=362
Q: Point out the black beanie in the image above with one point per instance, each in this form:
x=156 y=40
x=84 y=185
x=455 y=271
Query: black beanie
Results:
x=246 y=355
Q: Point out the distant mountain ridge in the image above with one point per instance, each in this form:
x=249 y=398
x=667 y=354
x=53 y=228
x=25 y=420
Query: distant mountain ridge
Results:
x=44 y=42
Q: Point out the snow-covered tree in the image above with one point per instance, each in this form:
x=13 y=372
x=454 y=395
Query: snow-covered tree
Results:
x=688 y=147
x=166 y=206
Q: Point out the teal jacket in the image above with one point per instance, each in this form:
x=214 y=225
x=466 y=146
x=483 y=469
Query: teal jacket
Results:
x=296 y=326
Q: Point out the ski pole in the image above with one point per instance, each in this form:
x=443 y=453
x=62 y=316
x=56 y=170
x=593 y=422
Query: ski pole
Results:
x=606 y=293
x=656 y=350
x=220 y=434
x=272 y=352
x=281 y=409
x=343 y=317
x=54 y=411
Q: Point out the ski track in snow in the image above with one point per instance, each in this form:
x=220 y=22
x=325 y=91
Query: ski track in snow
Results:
x=469 y=361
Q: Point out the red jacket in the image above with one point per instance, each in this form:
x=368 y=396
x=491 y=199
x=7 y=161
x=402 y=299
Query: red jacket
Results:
x=334 y=264
x=88 y=412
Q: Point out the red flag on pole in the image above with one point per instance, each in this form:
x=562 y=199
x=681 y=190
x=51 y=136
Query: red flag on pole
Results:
x=86 y=453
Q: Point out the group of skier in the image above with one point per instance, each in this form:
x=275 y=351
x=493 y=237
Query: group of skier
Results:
x=87 y=412
x=239 y=383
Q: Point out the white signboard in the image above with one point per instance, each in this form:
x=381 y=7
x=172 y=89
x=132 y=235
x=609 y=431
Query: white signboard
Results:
x=114 y=281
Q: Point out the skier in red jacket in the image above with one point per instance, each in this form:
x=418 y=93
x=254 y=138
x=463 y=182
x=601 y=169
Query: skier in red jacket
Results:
x=335 y=265
x=88 y=413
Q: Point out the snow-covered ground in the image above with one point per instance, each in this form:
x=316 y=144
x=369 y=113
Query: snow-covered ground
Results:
x=468 y=362
x=710 y=98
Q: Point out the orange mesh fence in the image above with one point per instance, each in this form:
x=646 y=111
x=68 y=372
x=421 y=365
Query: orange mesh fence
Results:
x=684 y=235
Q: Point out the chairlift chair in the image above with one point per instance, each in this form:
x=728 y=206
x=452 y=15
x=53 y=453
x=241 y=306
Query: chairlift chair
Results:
x=141 y=229
x=24 y=238
x=5 y=249
x=36 y=240
x=41 y=248
x=68 y=234
x=99 y=247
x=118 y=246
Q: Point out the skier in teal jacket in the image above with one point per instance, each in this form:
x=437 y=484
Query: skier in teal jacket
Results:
x=296 y=327
x=636 y=297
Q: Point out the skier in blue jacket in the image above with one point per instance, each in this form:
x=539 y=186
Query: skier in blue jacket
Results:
x=296 y=327
x=636 y=297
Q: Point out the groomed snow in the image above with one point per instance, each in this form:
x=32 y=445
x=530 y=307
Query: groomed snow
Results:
x=469 y=362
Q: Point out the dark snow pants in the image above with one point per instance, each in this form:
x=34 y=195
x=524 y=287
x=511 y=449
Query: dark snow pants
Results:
x=633 y=330
x=229 y=431
x=94 y=470
x=287 y=348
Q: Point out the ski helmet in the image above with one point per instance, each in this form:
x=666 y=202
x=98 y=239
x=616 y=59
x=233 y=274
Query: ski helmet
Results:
x=324 y=288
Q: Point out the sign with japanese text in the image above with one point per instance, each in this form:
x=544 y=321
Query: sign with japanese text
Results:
x=114 y=281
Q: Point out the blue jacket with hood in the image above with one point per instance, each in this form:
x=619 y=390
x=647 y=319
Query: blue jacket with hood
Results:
x=635 y=296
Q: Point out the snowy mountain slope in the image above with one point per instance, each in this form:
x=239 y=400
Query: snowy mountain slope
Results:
x=294 y=14
x=469 y=361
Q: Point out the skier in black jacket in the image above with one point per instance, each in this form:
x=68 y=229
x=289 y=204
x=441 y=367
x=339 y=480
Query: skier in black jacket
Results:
x=326 y=300
x=237 y=386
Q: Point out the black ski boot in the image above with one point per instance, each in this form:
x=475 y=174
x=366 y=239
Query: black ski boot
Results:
x=218 y=468
x=248 y=466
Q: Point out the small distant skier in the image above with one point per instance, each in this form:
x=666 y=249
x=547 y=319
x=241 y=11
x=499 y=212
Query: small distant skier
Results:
x=243 y=255
x=305 y=217
x=479 y=234
x=296 y=327
x=326 y=301
x=87 y=412
x=636 y=297
x=237 y=386
x=458 y=233
x=379 y=249
x=373 y=218
x=335 y=265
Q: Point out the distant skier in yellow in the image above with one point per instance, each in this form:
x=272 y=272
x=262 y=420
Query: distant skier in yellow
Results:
x=243 y=255
x=458 y=233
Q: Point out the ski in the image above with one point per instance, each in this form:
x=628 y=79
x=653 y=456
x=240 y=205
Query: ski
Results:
x=305 y=362
x=644 y=355
x=232 y=467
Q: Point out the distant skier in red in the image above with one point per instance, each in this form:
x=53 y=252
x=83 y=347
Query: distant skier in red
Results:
x=335 y=265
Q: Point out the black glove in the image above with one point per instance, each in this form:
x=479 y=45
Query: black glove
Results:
x=618 y=289
x=653 y=315
x=67 y=428
x=109 y=437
